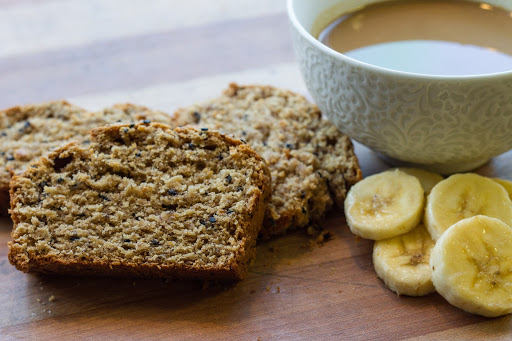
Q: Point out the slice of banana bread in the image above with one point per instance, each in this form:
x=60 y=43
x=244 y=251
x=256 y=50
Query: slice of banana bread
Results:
x=27 y=132
x=141 y=200
x=312 y=163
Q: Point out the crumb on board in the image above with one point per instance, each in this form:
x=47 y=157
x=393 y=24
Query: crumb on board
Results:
x=51 y=298
x=320 y=236
x=312 y=230
x=323 y=237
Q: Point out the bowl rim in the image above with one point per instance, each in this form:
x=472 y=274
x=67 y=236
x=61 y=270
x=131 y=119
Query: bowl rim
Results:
x=378 y=69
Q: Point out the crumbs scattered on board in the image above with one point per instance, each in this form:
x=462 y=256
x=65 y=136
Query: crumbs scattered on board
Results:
x=320 y=236
x=275 y=290
x=51 y=299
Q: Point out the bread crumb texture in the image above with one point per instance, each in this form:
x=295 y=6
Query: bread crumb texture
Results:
x=141 y=200
x=312 y=163
x=27 y=132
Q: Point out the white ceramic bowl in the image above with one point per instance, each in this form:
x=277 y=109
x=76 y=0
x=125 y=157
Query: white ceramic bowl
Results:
x=445 y=124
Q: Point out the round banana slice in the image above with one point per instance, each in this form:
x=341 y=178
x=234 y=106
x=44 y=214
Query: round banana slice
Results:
x=402 y=262
x=507 y=184
x=427 y=179
x=472 y=266
x=463 y=196
x=384 y=205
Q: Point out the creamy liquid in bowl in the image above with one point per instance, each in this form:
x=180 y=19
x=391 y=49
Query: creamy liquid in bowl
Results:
x=437 y=37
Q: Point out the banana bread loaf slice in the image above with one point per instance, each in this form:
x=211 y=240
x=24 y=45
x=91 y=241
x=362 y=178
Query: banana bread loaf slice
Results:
x=27 y=132
x=312 y=163
x=141 y=200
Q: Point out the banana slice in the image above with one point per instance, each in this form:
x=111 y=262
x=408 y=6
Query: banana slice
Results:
x=472 y=266
x=402 y=262
x=384 y=205
x=462 y=196
x=507 y=184
x=427 y=179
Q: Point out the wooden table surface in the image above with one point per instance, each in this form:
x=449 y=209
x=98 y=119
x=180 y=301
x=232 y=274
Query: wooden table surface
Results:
x=166 y=54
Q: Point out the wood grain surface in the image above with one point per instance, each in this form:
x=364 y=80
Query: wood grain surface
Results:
x=167 y=54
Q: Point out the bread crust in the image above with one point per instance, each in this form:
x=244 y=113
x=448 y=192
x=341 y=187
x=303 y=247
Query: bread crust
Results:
x=26 y=258
x=4 y=199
